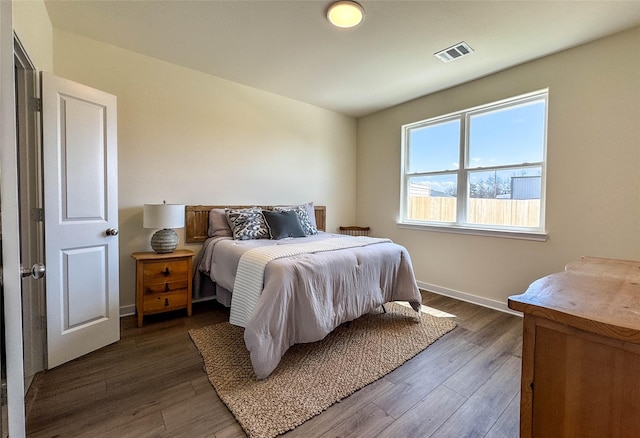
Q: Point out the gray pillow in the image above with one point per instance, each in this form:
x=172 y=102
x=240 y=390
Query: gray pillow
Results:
x=308 y=225
x=283 y=224
x=218 y=224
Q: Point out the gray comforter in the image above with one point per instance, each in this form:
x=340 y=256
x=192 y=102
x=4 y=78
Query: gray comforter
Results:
x=306 y=296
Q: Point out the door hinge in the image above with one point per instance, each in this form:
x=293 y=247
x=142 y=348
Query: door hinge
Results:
x=35 y=104
x=37 y=214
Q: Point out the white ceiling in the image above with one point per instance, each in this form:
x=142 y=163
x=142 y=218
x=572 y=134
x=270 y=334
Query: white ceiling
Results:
x=289 y=48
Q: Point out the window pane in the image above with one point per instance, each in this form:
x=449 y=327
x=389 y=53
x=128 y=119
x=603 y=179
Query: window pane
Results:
x=491 y=157
x=513 y=135
x=505 y=197
x=434 y=147
x=432 y=198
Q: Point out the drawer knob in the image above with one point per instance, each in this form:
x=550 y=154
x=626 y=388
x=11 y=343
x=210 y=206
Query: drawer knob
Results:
x=166 y=287
x=166 y=302
x=166 y=272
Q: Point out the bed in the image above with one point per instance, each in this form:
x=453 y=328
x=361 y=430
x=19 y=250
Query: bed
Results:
x=293 y=289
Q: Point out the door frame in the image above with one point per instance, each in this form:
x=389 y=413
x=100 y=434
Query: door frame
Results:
x=31 y=221
x=10 y=227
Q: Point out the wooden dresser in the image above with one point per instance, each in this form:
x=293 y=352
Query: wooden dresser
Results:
x=163 y=282
x=581 y=351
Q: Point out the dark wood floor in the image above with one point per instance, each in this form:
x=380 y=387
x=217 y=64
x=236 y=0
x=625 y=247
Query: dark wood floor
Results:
x=152 y=384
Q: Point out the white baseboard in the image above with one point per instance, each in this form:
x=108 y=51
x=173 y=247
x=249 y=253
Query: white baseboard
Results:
x=469 y=298
x=129 y=310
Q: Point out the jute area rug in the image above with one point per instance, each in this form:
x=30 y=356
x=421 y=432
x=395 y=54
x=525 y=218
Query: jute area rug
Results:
x=312 y=377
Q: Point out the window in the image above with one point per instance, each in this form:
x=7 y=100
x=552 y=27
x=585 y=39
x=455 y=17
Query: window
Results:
x=478 y=170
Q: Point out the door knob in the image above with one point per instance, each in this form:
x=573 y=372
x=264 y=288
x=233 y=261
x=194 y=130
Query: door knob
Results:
x=111 y=232
x=37 y=271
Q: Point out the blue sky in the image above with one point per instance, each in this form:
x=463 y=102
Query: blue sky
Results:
x=502 y=137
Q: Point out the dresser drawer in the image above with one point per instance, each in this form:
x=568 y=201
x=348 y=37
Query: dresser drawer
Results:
x=165 y=301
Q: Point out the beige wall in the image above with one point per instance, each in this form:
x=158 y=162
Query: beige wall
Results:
x=193 y=138
x=593 y=182
x=187 y=137
x=31 y=24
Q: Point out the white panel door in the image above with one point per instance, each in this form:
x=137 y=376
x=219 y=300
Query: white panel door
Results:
x=81 y=218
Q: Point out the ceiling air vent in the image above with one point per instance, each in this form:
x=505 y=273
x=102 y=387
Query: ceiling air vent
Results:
x=454 y=52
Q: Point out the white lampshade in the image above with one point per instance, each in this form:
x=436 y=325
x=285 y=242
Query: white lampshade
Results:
x=345 y=13
x=163 y=216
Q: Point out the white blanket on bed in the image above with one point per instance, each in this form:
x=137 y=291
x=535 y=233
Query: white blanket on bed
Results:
x=249 y=279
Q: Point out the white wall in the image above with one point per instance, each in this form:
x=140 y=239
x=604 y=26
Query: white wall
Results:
x=187 y=137
x=593 y=183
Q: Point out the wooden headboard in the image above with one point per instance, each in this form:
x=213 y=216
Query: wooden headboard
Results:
x=197 y=219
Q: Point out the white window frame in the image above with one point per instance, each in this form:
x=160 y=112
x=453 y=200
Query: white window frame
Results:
x=460 y=225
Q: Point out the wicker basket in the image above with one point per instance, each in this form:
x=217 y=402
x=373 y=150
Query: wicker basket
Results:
x=355 y=231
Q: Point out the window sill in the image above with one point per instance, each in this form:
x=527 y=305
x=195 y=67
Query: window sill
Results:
x=521 y=235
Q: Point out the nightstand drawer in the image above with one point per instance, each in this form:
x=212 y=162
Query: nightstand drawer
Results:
x=155 y=273
x=165 y=301
x=168 y=285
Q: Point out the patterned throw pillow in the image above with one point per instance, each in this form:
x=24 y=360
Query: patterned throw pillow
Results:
x=300 y=211
x=247 y=223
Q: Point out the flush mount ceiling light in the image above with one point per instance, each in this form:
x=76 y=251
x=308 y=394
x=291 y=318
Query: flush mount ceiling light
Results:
x=345 y=14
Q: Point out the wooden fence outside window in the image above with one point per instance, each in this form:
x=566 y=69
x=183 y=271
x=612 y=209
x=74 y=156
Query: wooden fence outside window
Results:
x=510 y=212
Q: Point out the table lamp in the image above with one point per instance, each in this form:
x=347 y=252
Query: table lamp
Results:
x=166 y=217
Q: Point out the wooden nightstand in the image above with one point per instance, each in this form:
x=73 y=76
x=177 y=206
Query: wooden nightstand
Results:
x=163 y=282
